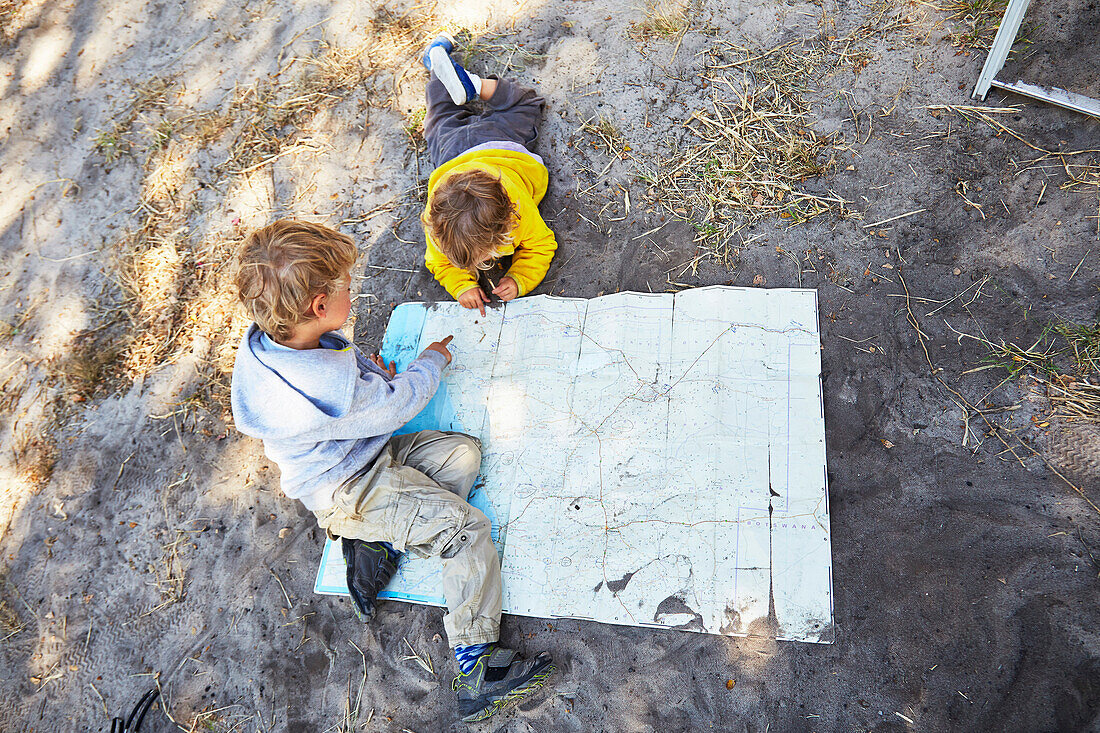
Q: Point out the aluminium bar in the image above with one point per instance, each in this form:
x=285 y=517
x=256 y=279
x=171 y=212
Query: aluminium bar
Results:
x=1054 y=95
x=1002 y=44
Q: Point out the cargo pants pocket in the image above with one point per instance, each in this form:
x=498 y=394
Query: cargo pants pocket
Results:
x=433 y=524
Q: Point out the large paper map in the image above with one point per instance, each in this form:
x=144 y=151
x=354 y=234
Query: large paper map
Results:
x=652 y=460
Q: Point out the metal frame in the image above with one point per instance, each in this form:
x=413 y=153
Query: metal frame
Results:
x=998 y=53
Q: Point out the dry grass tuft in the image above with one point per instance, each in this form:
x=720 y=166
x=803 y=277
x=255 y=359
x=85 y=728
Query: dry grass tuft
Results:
x=91 y=368
x=181 y=303
x=1071 y=374
x=414 y=128
x=170 y=575
x=35 y=451
x=154 y=271
x=12 y=325
x=603 y=135
x=8 y=10
x=977 y=20
x=117 y=140
x=913 y=20
x=663 y=19
x=1064 y=362
x=15 y=15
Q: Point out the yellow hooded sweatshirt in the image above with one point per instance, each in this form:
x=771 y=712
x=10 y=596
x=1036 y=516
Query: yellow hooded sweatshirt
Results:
x=533 y=244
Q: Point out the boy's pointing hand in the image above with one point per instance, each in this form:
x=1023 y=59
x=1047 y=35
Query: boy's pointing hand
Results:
x=441 y=347
x=474 y=298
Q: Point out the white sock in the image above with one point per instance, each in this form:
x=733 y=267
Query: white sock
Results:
x=476 y=81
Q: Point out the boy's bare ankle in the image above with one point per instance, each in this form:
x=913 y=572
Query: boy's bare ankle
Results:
x=488 y=89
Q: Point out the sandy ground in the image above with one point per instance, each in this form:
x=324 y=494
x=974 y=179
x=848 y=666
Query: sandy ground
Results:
x=142 y=539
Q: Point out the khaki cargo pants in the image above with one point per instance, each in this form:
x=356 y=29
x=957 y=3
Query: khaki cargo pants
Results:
x=414 y=497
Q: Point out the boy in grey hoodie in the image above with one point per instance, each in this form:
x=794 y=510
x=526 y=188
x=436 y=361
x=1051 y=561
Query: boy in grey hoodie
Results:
x=326 y=414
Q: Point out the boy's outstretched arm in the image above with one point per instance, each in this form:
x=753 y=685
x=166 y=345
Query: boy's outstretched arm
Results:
x=380 y=406
x=535 y=248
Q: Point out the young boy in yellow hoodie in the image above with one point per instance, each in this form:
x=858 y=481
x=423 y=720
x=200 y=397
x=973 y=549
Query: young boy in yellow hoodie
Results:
x=484 y=193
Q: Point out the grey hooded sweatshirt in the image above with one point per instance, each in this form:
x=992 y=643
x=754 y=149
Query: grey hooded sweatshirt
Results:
x=324 y=413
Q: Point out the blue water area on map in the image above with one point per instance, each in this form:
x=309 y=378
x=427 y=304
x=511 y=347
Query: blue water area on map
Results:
x=401 y=344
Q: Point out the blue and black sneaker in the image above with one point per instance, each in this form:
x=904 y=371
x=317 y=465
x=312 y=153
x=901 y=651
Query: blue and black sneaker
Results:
x=460 y=84
x=499 y=678
x=370 y=567
x=445 y=41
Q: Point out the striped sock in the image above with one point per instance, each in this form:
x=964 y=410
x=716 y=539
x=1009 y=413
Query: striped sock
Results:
x=467 y=656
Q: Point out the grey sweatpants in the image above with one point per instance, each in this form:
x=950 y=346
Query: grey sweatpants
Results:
x=450 y=130
x=414 y=497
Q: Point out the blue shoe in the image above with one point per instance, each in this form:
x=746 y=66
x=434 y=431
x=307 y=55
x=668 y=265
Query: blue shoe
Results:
x=455 y=79
x=444 y=41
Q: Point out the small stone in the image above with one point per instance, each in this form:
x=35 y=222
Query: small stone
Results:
x=956 y=272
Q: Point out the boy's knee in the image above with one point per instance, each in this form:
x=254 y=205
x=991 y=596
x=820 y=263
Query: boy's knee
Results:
x=467 y=453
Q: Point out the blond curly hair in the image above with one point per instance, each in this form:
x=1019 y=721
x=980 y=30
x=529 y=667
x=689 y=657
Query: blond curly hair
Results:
x=281 y=267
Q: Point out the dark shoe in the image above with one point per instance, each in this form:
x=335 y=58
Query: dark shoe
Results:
x=500 y=677
x=370 y=567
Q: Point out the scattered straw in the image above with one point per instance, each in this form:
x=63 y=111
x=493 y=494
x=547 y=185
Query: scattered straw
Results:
x=117 y=139
x=497 y=53
x=352 y=710
x=170 y=575
x=10 y=622
x=972 y=412
x=1064 y=361
x=172 y=296
x=604 y=136
x=176 y=294
x=752 y=152
x=754 y=148
x=1081 y=167
x=425 y=662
